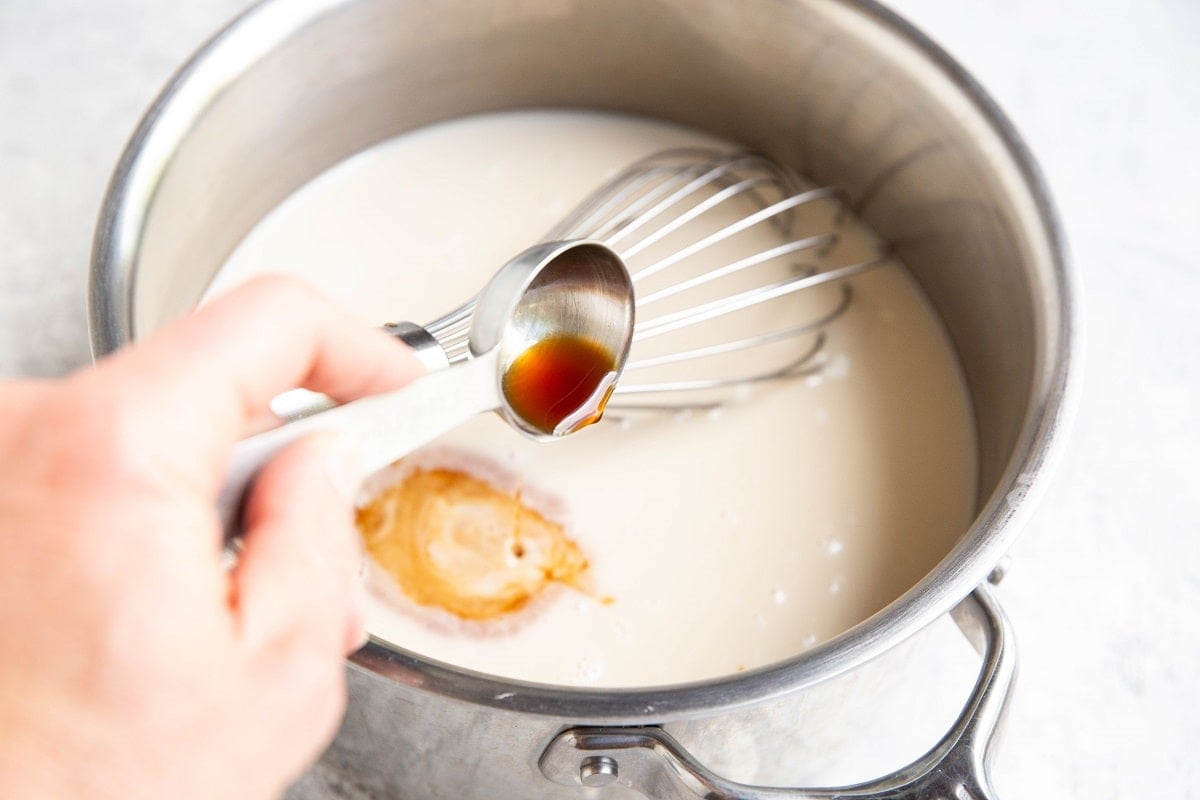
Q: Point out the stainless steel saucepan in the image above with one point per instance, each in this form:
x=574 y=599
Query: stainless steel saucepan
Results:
x=840 y=89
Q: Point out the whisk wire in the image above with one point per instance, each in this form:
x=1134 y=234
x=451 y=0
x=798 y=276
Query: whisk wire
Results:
x=747 y=343
x=627 y=193
x=804 y=364
x=740 y=265
x=704 y=312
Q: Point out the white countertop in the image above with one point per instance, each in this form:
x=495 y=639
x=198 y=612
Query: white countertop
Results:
x=1106 y=578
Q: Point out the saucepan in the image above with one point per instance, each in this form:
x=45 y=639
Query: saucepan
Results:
x=842 y=90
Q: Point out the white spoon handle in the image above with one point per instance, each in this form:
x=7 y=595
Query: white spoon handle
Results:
x=383 y=427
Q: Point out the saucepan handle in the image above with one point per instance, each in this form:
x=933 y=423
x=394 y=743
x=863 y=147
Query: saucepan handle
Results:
x=652 y=762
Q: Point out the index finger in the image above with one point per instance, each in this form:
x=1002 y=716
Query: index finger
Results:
x=202 y=379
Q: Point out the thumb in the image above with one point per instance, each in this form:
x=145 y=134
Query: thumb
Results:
x=298 y=577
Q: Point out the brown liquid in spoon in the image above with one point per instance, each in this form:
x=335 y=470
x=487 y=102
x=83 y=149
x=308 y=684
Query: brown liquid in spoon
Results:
x=555 y=378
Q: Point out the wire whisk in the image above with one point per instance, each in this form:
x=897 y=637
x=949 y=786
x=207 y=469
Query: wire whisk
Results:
x=737 y=269
x=709 y=235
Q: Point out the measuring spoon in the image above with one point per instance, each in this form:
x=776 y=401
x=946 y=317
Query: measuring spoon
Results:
x=549 y=338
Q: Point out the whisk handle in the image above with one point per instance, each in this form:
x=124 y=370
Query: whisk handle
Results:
x=422 y=342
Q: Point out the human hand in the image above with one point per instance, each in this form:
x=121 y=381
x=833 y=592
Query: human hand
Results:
x=132 y=664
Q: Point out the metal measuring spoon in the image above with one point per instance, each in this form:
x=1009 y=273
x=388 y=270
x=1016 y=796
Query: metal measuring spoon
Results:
x=535 y=318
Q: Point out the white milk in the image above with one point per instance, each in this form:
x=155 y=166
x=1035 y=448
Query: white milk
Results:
x=725 y=541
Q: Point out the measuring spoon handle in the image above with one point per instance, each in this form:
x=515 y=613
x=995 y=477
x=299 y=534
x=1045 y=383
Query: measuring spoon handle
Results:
x=383 y=427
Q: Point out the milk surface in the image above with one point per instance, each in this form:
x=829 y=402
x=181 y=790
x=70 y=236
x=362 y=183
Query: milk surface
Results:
x=717 y=541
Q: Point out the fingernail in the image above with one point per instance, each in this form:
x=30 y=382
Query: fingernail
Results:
x=346 y=468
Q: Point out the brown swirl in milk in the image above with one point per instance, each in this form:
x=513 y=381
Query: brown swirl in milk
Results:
x=455 y=542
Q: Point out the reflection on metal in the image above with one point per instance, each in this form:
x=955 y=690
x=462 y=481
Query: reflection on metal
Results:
x=649 y=760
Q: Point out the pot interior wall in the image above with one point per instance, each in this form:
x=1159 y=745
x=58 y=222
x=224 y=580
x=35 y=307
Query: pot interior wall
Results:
x=834 y=94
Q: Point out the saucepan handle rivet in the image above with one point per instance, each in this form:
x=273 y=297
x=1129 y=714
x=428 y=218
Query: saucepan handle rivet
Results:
x=597 y=771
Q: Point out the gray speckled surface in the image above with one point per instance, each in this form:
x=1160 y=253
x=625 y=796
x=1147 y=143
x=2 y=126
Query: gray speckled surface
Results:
x=1106 y=581
x=75 y=76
